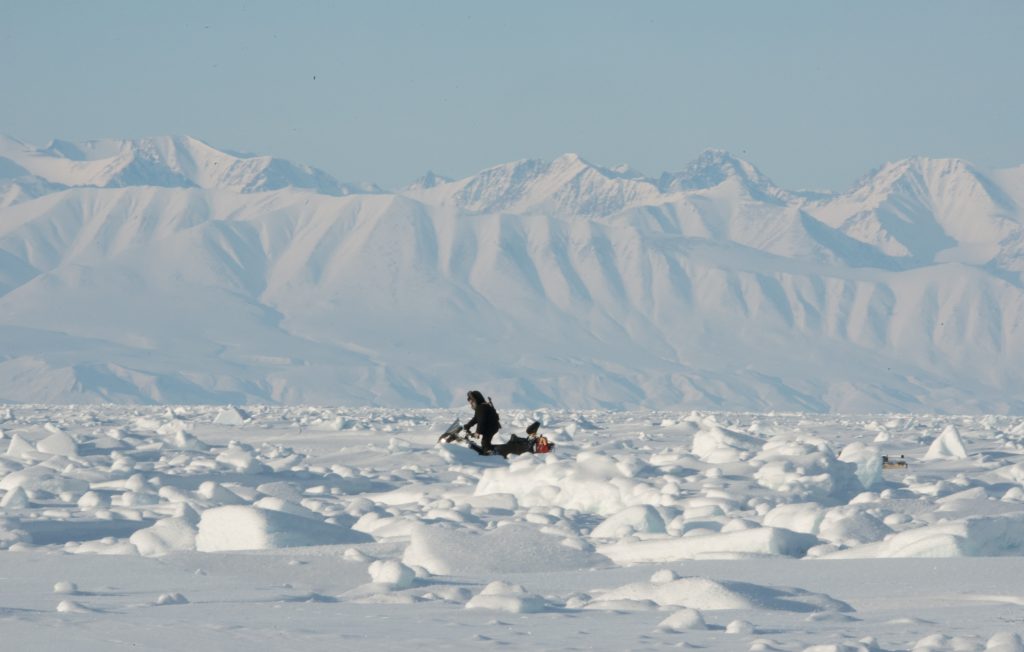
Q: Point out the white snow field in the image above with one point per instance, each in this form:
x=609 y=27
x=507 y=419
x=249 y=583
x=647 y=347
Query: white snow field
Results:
x=163 y=270
x=305 y=528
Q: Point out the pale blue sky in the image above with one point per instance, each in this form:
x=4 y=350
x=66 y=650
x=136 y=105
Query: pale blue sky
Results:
x=814 y=93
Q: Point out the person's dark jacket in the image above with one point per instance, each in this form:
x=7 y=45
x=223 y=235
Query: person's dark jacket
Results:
x=485 y=418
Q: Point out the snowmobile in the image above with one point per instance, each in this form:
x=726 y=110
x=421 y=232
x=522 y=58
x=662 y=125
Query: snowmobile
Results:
x=890 y=462
x=532 y=443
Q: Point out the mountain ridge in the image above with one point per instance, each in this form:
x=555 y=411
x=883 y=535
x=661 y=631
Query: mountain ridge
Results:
x=167 y=161
x=546 y=283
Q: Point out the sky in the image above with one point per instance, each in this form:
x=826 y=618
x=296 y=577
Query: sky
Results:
x=814 y=93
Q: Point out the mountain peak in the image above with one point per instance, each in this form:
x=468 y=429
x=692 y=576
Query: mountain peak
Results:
x=923 y=176
x=711 y=168
x=567 y=185
x=923 y=209
x=574 y=162
x=627 y=171
x=427 y=181
x=63 y=149
x=569 y=158
x=921 y=166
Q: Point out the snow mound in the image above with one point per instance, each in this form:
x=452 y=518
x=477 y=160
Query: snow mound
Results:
x=392 y=572
x=240 y=527
x=19 y=446
x=799 y=517
x=868 y=460
x=691 y=592
x=171 y=598
x=1005 y=642
x=11 y=534
x=15 y=499
x=948 y=445
x=218 y=494
x=72 y=607
x=805 y=469
x=460 y=454
x=515 y=548
x=231 y=416
x=639 y=518
x=275 y=504
x=239 y=457
x=704 y=594
x=41 y=478
x=683 y=620
x=385 y=527
x=741 y=627
x=851 y=525
x=595 y=483
x=716 y=445
x=59 y=443
x=756 y=542
x=511 y=598
x=663 y=576
x=982 y=536
x=164 y=536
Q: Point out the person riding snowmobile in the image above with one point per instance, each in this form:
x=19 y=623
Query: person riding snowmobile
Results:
x=485 y=418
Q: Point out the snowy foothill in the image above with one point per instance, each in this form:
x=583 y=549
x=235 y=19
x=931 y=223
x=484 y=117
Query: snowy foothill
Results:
x=319 y=528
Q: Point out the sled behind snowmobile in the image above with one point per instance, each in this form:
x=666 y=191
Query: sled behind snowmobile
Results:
x=516 y=445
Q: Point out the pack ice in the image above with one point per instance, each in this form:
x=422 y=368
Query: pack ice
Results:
x=307 y=527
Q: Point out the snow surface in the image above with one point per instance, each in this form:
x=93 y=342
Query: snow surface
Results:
x=318 y=528
x=164 y=270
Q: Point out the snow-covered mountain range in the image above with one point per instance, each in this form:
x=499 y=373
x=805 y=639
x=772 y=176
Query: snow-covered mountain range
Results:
x=165 y=270
x=170 y=162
